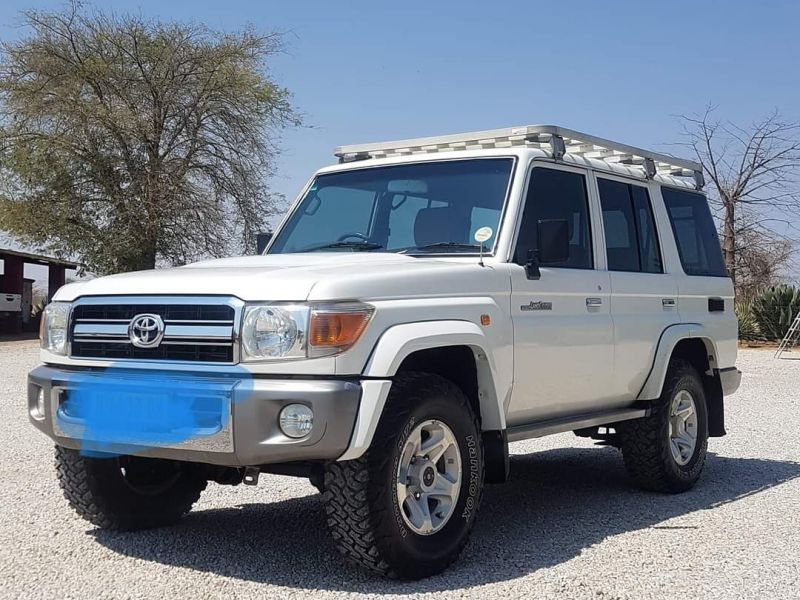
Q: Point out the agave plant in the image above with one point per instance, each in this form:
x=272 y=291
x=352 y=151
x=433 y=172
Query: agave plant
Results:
x=776 y=309
x=748 y=326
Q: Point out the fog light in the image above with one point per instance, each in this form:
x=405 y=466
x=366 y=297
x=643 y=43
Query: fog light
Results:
x=296 y=420
x=40 y=404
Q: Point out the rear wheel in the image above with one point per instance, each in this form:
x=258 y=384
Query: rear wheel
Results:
x=666 y=451
x=127 y=493
x=405 y=509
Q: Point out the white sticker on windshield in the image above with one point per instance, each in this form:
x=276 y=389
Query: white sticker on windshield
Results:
x=483 y=234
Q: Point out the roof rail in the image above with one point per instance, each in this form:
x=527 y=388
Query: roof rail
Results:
x=557 y=140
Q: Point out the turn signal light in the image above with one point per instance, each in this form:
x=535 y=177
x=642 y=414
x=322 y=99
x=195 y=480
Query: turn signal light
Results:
x=335 y=328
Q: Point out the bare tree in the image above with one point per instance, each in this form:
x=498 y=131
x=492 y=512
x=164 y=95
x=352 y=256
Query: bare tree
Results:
x=762 y=259
x=127 y=141
x=754 y=172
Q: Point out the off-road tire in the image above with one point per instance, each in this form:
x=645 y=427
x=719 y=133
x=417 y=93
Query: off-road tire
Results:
x=97 y=490
x=361 y=505
x=645 y=442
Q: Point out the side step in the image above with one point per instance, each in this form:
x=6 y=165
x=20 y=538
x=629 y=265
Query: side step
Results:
x=562 y=424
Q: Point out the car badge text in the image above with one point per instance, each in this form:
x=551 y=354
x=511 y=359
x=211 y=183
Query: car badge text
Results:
x=537 y=305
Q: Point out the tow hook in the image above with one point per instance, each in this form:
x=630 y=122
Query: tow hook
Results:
x=251 y=475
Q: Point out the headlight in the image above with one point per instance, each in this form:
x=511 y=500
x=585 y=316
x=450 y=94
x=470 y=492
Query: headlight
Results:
x=53 y=330
x=281 y=331
x=274 y=331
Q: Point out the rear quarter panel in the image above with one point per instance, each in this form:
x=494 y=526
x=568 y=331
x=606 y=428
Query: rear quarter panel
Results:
x=693 y=296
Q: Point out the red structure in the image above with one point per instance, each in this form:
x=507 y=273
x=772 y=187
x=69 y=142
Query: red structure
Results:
x=12 y=280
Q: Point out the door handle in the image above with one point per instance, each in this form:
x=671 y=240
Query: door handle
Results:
x=667 y=303
x=594 y=302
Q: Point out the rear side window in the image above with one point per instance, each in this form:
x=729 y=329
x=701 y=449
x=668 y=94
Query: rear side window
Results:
x=556 y=195
x=631 y=237
x=695 y=233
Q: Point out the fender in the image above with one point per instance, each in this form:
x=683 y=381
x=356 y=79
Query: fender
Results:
x=399 y=342
x=666 y=344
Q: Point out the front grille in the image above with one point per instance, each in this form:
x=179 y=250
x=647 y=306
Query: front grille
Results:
x=168 y=312
x=190 y=352
x=198 y=329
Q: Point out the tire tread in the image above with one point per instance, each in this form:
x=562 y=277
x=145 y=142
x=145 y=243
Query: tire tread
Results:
x=88 y=495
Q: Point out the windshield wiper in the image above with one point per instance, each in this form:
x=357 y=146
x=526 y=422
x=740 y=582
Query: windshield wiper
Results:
x=456 y=246
x=352 y=245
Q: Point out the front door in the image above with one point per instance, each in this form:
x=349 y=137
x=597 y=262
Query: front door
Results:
x=563 y=333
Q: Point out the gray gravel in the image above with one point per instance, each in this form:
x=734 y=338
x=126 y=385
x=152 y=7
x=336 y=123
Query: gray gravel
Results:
x=567 y=525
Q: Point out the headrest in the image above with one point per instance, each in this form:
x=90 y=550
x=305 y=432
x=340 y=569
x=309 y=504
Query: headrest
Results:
x=441 y=224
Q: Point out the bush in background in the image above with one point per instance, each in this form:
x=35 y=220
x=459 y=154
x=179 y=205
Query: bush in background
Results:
x=748 y=326
x=775 y=310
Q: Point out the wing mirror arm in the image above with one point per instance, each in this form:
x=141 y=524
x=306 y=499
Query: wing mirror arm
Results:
x=532 y=265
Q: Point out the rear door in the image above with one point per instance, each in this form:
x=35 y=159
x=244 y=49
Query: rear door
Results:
x=643 y=293
x=563 y=335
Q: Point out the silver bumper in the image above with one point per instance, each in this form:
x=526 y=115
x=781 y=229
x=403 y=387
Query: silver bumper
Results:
x=239 y=425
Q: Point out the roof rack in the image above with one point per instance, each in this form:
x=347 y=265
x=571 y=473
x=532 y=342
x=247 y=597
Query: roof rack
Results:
x=556 y=140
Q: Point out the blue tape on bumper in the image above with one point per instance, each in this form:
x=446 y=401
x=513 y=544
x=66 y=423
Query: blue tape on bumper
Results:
x=115 y=408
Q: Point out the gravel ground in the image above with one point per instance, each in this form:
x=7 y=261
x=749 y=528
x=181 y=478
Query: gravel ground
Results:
x=567 y=525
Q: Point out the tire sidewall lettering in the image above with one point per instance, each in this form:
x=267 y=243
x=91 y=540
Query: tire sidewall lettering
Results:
x=397 y=509
x=473 y=482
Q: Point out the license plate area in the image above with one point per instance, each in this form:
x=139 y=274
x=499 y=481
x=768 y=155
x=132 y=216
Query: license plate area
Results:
x=154 y=412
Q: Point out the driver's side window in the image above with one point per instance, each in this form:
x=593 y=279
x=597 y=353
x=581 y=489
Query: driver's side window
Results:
x=555 y=195
x=333 y=210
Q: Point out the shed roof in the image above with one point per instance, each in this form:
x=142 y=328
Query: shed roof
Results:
x=38 y=259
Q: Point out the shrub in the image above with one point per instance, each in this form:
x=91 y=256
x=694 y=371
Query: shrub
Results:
x=748 y=327
x=775 y=310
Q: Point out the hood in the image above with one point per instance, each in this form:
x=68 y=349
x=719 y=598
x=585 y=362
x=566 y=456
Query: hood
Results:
x=297 y=277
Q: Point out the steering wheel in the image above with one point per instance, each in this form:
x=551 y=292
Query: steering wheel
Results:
x=354 y=234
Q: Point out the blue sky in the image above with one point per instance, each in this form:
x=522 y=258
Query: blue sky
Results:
x=367 y=71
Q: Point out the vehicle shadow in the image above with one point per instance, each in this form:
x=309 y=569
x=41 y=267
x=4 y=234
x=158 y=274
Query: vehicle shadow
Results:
x=556 y=504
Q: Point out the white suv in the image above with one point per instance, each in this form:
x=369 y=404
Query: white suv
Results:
x=423 y=304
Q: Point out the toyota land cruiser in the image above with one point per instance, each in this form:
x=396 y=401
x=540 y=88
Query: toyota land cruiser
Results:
x=424 y=303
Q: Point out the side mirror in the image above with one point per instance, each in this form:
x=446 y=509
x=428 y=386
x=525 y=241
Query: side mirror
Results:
x=553 y=236
x=553 y=246
x=262 y=241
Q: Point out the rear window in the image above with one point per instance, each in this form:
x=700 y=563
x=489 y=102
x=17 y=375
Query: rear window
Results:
x=695 y=233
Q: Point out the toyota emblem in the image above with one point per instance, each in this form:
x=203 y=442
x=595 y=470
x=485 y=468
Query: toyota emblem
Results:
x=146 y=331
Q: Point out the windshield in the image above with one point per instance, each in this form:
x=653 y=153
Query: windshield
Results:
x=433 y=207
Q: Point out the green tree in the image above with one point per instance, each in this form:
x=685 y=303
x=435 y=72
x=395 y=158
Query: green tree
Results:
x=130 y=142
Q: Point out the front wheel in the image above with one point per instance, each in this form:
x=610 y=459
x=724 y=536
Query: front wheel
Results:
x=405 y=509
x=127 y=493
x=666 y=451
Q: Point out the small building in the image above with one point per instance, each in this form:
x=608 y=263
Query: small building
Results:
x=16 y=291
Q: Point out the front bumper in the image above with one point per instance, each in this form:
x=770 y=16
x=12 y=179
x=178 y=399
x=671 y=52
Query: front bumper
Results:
x=246 y=432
